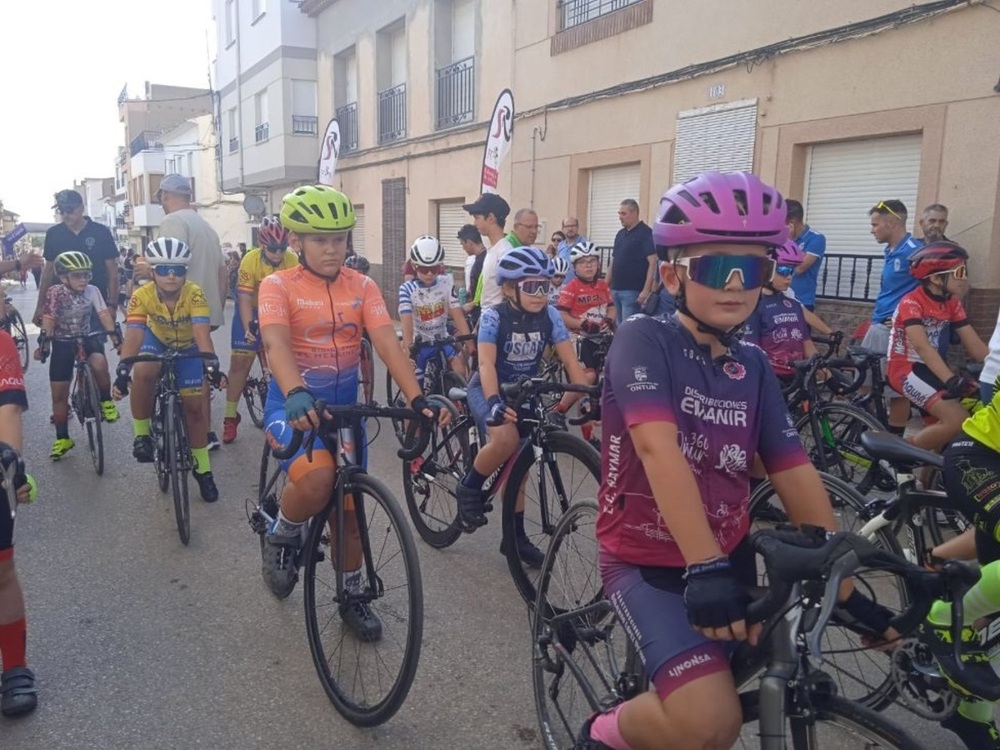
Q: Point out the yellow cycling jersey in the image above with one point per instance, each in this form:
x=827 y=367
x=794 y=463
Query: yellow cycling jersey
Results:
x=984 y=425
x=173 y=329
x=254 y=269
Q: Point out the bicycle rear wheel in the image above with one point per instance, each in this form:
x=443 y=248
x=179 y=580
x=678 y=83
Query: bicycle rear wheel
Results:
x=19 y=332
x=829 y=722
x=255 y=391
x=429 y=481
x=178 y=456
x=367 y=681
x=861 y=674
x=570 y=472
x=837 y=448
x=92 y=418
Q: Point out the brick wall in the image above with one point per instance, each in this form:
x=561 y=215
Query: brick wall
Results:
x=627 y=18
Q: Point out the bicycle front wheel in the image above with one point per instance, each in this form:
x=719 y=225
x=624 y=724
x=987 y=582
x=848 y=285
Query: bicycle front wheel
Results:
x=178 y=454
x=92 y=418
x=830 y=722
x=19 y=332
x=161 y=456
x=539 y=491
x=255 y=391
x=366 y=374
x=368 y=679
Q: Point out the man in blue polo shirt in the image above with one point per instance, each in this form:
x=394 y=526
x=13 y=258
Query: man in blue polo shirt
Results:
x=888 y=222
x=813 y=244
x=633 y=262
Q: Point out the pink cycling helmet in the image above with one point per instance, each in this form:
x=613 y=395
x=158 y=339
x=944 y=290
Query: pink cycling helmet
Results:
x=789 y=254
x=720 y=207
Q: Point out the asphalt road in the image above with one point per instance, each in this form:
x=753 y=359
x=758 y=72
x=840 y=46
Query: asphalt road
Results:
x=139 y=642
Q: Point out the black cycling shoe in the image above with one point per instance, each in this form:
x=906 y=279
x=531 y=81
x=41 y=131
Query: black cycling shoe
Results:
x=974 y=677
x=530 y=555
x=365 y=624
x=982 y=735
x=143 y=449
x=584 y=740
x=206 y=486
x=470 y=508
x=556 y=420
x=18 y=694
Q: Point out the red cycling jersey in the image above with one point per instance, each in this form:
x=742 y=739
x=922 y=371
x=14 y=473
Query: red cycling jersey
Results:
x=585 y=300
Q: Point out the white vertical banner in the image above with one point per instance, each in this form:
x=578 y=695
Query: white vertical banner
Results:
x=328 y=152
x=498 y=140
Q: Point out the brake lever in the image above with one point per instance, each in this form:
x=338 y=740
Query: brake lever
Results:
x=839 y=570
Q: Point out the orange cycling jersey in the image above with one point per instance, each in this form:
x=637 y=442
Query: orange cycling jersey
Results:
x=326 y=320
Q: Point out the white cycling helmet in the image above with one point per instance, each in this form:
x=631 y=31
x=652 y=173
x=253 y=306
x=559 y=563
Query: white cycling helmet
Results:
x=582 y=250
x=560 y=266
x=167 y=250
x=427 y=251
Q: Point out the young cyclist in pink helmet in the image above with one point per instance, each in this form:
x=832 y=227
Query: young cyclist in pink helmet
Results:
x=686 y=405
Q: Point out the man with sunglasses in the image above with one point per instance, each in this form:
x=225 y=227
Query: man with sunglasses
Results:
x=888 y=225
x=76 y=232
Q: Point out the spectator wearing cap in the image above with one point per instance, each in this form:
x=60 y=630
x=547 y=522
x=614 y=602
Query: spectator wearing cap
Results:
x=472 y=242
x=78 y=232
x=489 y=214
x=888 y=225
x=813 y=244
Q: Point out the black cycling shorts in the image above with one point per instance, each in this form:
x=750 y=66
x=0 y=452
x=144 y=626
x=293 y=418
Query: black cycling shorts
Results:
x=63 y=357
x=590 y=355
x=972 y=477
x=6 y=529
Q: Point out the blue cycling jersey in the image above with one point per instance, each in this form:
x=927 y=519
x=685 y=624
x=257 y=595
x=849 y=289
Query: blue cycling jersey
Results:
x=520 y=338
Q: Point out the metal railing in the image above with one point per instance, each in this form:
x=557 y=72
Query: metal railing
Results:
x=145 y=141
x=305 y=125
x=392 y=114
x=234 y=144
x=260 y=132
x=218 y=150
x=456 y=93
x=575 y=12
x=347 y=119
x=850 y=276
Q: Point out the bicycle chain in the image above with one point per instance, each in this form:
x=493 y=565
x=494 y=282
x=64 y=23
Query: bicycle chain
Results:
x=922 y=686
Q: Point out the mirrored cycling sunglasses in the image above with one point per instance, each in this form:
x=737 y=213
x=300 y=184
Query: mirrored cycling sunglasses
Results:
x=715 y=271
x=784 y=270
x=174 y=269
x=436 y=270
x=534 y=287
x=81 y=275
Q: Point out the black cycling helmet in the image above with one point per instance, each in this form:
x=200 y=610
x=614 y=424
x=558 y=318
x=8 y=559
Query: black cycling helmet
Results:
x=359 y=263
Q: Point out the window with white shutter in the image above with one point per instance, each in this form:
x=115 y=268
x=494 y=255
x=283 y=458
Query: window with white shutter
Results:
x=452 y=217
x=358 y=235
x=609 y=186
x=719 y=138
x=844 y=180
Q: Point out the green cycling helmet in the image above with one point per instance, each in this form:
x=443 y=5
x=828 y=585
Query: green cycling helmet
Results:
x=73 y=260
x=315 y=209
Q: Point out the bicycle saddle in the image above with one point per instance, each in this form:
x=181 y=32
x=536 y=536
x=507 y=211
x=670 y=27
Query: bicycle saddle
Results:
x=898 y=452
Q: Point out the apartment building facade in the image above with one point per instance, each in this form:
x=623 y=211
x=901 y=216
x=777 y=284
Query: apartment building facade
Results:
x=265 y=76
x=840 y=105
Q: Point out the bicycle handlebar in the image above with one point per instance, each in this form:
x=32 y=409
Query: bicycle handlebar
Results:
x=516 y=392
x=417 y=346
x=168 y=354
x=362 y=411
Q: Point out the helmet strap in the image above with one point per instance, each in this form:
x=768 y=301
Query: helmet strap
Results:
x=726 y=338
x=943 y=296
x=313 y=271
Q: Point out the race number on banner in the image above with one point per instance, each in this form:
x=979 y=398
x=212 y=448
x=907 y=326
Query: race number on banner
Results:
x=329 y=150
x=498 y=141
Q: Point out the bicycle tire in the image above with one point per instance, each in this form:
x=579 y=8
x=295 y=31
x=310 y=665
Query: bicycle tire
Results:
x=842 y=454
x=92 y=419
x=542 y=519
x=831 y=711
x=19 y=332
x=435 y=514
x=394 y=397
x=176 y=439
x=161 y=462
x=366 y=712
x=366 y=380
x=255 y=392
x=847 y=668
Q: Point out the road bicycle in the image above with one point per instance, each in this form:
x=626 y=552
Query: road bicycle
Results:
x=13 y=323
x=255 y=389
x=366 y=680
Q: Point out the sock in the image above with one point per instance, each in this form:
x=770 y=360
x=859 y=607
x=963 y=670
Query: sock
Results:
x=605 y=729
x=973 y=724
x=352 y=581
x=14 y=643
x=474 y=479
x=587 y=430
x=232 y=408
x=560 y=408
x=141 y=426
x=981 y=711
x=897 y=430
x=104 y=395
x=62 y=430
x=981 y=600
x=202 y=463
x=283 y=527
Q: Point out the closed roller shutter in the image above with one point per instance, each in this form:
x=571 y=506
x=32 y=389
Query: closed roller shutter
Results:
x=451 y=218
x=609 y=186
x=358 y=235
x=843 y=181
x=719 y=138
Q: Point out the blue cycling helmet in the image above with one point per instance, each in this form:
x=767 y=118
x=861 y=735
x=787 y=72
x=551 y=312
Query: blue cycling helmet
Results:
x=522 y=262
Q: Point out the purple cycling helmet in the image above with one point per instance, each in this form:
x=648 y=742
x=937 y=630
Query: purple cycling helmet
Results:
x=789 y=254
x=720 y=207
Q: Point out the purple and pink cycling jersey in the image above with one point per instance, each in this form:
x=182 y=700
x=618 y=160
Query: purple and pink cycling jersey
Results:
x=778 y=326
x=725 y=411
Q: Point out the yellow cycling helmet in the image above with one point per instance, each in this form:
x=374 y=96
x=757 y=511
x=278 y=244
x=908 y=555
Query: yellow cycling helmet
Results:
x=313 y=209
x=72 y=260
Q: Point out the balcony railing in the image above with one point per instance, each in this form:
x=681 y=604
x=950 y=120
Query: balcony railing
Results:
x=347 y=119
x=575 y=12
x=145 y=141
x=234 y=144
x=850 y=277
x=260 y=133
x=456 y=93
x=305 y=125
x=392 y=114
